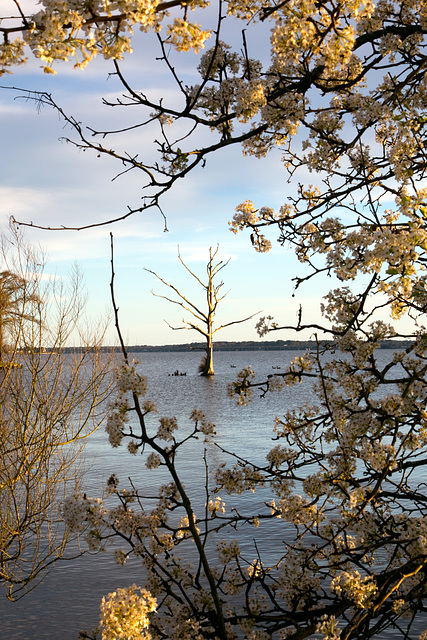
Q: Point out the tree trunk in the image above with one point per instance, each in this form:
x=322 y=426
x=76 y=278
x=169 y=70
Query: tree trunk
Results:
x=206 y=368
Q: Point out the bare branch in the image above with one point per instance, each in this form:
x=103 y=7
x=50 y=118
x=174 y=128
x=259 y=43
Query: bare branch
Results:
x=229 y=324
x=195 y=311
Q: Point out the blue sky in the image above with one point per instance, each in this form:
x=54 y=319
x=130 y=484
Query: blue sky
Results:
x=49 y=182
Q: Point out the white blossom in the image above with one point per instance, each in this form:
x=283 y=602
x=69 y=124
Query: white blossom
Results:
x=126 y=613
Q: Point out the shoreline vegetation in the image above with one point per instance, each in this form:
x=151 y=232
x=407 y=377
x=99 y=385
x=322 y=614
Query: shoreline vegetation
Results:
x=246 y=345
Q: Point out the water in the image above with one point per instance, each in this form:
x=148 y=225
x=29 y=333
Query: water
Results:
x=68 y=599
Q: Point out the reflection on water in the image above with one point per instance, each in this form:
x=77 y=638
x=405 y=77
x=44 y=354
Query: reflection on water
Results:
x=68 y=599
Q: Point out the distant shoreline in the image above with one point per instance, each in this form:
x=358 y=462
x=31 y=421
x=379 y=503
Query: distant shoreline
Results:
x=246 y=345
x=251 y=345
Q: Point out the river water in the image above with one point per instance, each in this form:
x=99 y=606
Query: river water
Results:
x=67 y=601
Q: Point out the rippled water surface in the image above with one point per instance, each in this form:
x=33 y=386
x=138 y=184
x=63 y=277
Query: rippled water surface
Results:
x=68 y=599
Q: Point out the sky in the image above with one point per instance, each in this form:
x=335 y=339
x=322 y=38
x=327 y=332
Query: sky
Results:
x=48 y=182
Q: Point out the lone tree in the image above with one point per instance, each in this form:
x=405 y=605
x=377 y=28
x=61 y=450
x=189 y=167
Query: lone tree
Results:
x=204 y=320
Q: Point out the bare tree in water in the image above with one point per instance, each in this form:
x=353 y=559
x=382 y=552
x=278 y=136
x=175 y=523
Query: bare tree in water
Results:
x=204 y=320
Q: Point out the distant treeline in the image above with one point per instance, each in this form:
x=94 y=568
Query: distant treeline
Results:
x=254 y=345
x=249 y=345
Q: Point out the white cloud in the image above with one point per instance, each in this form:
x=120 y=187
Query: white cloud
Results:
x=17 y=201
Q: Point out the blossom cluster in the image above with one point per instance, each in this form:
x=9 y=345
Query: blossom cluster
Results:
x=227 y=550
x=202 y=424
x=81 y=512
x=166 y=429
x=216 y=506
x=238 y=479
x=235 y=86
x=83 y=30
x=265 y=325
x=129 y=380
x=359 y=590
x=116 y=420
x=247 y=215
x=297 y=510
x=126 y=613
x=298 y=579
x=185 y=36
x=129 y=384
x=328 y=626
x=241 y=387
